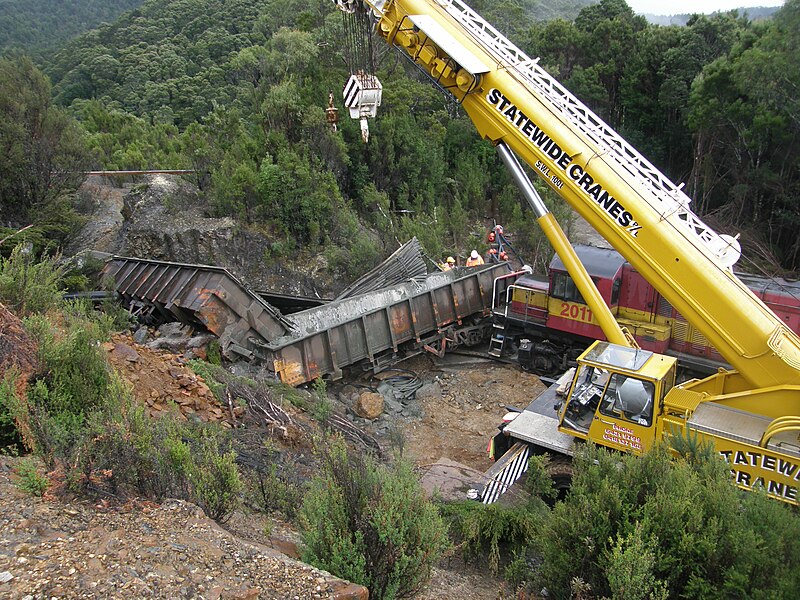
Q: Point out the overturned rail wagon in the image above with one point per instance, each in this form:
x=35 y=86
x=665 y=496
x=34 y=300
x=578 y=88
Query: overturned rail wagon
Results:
x=376 y=329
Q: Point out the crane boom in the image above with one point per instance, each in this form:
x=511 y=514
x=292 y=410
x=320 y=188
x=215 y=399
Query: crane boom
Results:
x=636 y=208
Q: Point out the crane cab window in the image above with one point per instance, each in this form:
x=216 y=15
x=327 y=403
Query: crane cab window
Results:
x=587 y=392
x=629 y=399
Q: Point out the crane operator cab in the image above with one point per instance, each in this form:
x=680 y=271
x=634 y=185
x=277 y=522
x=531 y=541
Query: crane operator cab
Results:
x=616 y=396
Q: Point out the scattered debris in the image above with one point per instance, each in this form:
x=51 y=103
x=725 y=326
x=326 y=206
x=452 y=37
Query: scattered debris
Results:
x=161 y=379
x=354 y=434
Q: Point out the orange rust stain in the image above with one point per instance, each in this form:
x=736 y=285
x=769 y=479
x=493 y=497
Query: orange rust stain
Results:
x=290 y=373
x=400 y=322
x=213 y=313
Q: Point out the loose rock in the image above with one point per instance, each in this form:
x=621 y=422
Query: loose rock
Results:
x=369 y=405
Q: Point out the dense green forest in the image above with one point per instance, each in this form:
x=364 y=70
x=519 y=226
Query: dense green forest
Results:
x=237 y=90
x=40 y=26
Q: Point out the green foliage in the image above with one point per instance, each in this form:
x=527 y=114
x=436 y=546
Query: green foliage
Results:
x=128 y=452
x=213 y=475
x=631 y=563
x=237 y=91
x=213 y=375
x=167 y=61
x=9 y=436
x=294 y=396
x=74 y=381
x=538 y=481
x=214 y=353
x=28 y=285
x=371 y=524
x=689 y=446
x=115 y=316
x=516 y=572
x=274 y=489
x=120 y=140
x=744 y=113
x=322 y=408
x=691 y=532
x=29 y=479
x=41 y=26
x=494 y=530
x=43 y=151
x=354 y=256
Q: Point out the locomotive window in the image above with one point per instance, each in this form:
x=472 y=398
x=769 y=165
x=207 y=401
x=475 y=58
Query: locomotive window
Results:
x=615 y=291
x=571 y=293
x=559 y=281
x=564 y=288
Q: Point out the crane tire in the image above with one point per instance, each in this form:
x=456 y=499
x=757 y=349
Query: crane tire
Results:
x=560 y=470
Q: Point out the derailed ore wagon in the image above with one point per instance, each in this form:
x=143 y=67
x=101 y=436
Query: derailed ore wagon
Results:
x=433 y=313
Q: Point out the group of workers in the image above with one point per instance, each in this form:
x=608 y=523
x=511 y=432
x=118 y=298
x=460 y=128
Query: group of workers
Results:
x=474 y=260
x=497 y=242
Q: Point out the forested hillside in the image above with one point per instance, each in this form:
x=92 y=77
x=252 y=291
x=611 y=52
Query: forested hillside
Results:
x=40 y=26
x=238 y=89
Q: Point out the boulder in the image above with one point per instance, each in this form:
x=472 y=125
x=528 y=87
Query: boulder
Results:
x=369 y=405
x=141 y=335
x=430 y=391
x=125 y=352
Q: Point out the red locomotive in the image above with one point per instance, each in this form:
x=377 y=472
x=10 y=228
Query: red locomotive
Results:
x=552 y=325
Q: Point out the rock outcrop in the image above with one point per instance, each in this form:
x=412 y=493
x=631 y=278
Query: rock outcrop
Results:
x=162 y=218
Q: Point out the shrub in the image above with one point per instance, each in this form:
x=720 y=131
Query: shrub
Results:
x=215 y=481
x=631 y=563
x=322 y=408
x=9 y=436
x=688 y=529
x=74 y=379
x=276 y=490
x=28 y=286
x=214 y=353
x=371 y=524
x=30 y=480
x=493 y=530
x=127 y=452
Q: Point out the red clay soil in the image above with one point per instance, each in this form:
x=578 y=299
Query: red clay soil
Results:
x=17 y=350
x=160 y=379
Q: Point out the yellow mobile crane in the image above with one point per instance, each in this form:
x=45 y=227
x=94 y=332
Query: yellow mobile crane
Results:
x=620 y=396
